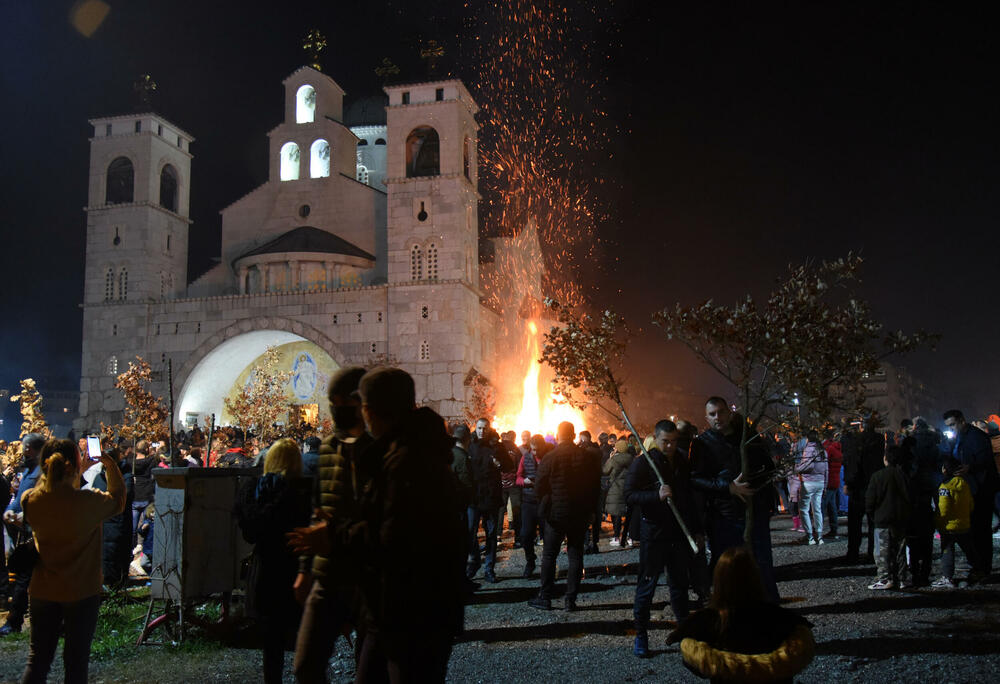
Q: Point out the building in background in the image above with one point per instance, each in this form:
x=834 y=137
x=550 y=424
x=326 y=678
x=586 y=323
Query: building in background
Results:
x=362 y=246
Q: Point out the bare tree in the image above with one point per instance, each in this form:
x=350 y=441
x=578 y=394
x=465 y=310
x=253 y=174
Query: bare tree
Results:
x=262 y=399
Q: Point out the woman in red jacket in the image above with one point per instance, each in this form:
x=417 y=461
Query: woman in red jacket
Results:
x=831 y=497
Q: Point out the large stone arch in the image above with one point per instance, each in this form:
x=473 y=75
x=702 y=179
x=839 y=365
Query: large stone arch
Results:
x=221 y=357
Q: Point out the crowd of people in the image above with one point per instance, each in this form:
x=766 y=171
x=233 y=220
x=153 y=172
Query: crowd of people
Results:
x=336 y=523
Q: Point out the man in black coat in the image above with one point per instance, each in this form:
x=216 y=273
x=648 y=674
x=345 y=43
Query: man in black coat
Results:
x=971 y=447
x=595 y=524
x=664 y=546
x=863 y=454
x=717 y=474
x=487 y=457
x=116 y=531
x=568 y=487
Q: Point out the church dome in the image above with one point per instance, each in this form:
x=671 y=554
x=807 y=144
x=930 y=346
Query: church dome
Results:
x=366 y=111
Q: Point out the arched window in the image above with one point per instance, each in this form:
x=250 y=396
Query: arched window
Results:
x=362 y=174
x=425 y=351
x=168 y=188
x=289 y=161
x=362 y=142
x=423 y=153
x=319 y=159
x=109 y=284
x=123 y=284
x=432 y=262
x=113 y=365
x=120 y=181
x=416 y=263
x=305 y=104
x=380 y=141
x=465 y=158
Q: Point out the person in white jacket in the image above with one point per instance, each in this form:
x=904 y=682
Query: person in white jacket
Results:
x=814 y=471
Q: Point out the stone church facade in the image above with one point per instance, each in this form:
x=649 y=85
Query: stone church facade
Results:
x=362 y=246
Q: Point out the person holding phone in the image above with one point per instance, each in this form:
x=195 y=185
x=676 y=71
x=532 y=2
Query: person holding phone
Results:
x=65 y=590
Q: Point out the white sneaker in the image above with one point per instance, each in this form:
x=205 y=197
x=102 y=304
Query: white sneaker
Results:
x=943 y=583
x=820 y=542
x=882 y=584
x=812 y=542
x=614 y=542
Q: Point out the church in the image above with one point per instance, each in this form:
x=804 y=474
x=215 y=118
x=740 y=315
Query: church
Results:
x=362 y=247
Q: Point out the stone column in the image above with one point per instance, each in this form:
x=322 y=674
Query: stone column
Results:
x=293 y=275
x=243 y=280
x=266 y=277
x=327 y=272
x=302 y=276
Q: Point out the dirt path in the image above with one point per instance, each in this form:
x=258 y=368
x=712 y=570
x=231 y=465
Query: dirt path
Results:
x=861 y=635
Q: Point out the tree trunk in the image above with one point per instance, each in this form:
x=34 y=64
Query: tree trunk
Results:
x=745 y=469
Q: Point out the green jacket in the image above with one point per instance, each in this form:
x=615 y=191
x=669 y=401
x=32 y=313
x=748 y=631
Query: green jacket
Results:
x=617 y=467
x=340 y=483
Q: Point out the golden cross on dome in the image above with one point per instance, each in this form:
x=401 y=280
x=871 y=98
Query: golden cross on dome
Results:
x=144 y=87
x=386 y=70
x=314 y=43
x=431 y=51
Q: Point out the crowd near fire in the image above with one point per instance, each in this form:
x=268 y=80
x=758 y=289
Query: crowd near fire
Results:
x=398 y=394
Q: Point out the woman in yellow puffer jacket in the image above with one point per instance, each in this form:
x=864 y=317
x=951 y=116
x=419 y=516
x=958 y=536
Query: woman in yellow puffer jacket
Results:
x=741 y=637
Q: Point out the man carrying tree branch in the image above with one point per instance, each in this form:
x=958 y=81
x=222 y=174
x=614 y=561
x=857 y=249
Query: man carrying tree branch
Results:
x=664 y=542
x=716 y=473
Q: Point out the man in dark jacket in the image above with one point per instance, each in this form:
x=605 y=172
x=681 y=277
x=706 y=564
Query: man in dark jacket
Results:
x=116 y=553
x=664 y=546
x=31 y=446
x=510 y=492
x=971 y=447
x=594 y=451
x=415 y=583
x=924 y=476
x=568 y=486
x=716 y=473
x=326 y=583
x=527 y=474
x=411 y=584
x=310 y=457
x=487 y=457
x=863 y=457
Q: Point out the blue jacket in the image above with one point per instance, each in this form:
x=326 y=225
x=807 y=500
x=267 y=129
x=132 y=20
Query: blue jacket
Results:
x=27 y=482
x=973 y=449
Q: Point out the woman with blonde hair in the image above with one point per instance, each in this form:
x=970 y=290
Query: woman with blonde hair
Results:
x=741 y=637
x=64 y=594
x=272 y=506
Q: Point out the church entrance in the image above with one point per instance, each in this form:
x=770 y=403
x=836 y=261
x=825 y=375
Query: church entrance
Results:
x=230 y=366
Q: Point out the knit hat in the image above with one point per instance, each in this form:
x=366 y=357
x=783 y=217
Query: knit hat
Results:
x=621 y=446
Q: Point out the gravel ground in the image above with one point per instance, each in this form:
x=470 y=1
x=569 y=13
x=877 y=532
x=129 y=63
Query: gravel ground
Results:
x=862 y=635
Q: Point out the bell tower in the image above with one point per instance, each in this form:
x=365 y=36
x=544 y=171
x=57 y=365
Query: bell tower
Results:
x=137 y=210
x=431 y=177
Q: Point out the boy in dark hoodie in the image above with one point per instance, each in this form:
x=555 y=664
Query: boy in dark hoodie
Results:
x=888 y=505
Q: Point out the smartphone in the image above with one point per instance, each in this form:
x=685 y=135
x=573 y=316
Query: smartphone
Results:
x=94 y=447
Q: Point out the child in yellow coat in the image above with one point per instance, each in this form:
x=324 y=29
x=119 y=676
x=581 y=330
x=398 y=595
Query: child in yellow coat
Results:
x=954 y=522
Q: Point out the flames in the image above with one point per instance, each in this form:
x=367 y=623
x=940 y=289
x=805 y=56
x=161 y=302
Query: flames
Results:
x=541 y=410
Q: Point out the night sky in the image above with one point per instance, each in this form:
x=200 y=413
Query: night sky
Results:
x=743 y=139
